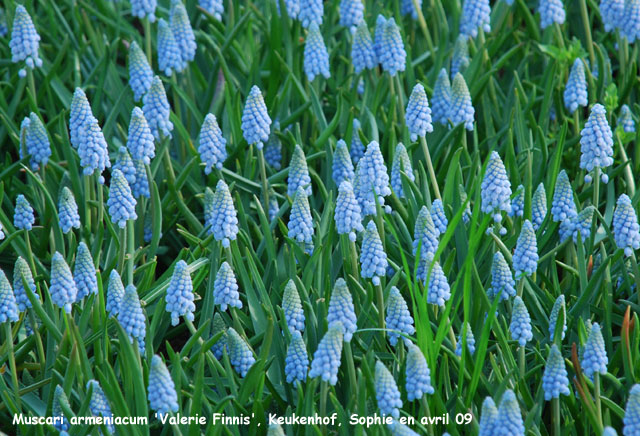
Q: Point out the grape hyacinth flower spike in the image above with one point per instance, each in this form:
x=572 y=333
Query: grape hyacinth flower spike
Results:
x=99 y=405
x=144 y=9
x=460 y=60
x=575 y=92
x=292 y=7
x=461 y=108
x=632 y=413
x=115 y=293
x=363 y=55
x=8 y=305
x=298 y=173
x=381 y=23
x=438 y=291
x=212 y=145
x=351 y=13
x=357 y=147
x=140 y=140
x=626 y=119
x=398 y=318
x=122 y=205
x=596 y=143
x=292 y=308
x=140 y=72
x=220 y=214
x=316 y=56
x=502 y=281
x=36 y=142
x=25 y=41
x=562 y=205
x=626 y=231
x=387 y=393
x=488 y=417
x=79 y=115
x=418 y=114
x=93 y=149
x=471 y=342
x=162 y=394
x=371 y=176
x=240 y=354
x=256 y=123
x=609 y=431
x=169 y=58
x=84 y=273
x=425 y=234
x=594 y=356
x=373 y=259
x=179 y=296
x=417 y=375
x=509 y=419
x=68 y=216
x=551 y=11
x=520 y=326
x=401 y=164
x=311 y=11
x=326 y=359
x=441 y=100
x=496 y=188
x=141 y=186
x=131 y=317
x=218 y=326
x=611 y=12
x=555 y=381
x=517 y=203
x=21 y=271
x=63 y=289
x=475 y=15
x=341 y=309
x=225 y=288
x=182 y=32
x=558 y=308
x=392 y=56
x=300 y=222
x=296 y=363
x=156 y=109
x=125 y=164
x=580 y=224
x=59 y=398
x=23 y=216
x=347 y=214
x=538 y=207
x=342 y=167
x=438 y=216
x=525 y=257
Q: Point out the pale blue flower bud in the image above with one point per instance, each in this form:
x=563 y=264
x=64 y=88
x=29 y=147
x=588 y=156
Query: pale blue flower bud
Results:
x=471 y=342
x=63 y=289
x=169 y=58
x=461 y=109
x=84 y=273
x=438 y=291
x=341 y=309
x=551 y=11
x=460 y=60
x=122 y=205
x=68 y=216
x=373 y=259
x=220 y=214
x=495 y=188
x=525 y=256
x=555 y=381
x=425 y=233
x=342 y=168
x=23 y=216
x=162 y=394
x=35 y=141
x=632 y=413
x=558 y=306
x=182 y=32
x=212 y=145
x=417 y=375
x=125 y=164
x=357 y=147
x=387 y=393
x=596 y=143
x=25 y=40
x=8 y=304
x=441 y=100
x=398 y=318
x=140 y=140
x=392 y=56
x=438 y=216
x=351 y=13
x=401 y=164
x=575 y=92
x=99 y=405
x=311 y=11
x=517 y=203
x=131 y=317
x=326 y=359
x=300 y=222
x=612 y=12
x=296 y=364
x=418 y=115
x=156 y=109
x=316 y=56
x=475 y=15
x=115 y=293
x=594 y=356
x=626 y=231
x=240 y=354
x=626 y=119
x=216 y=7
x=225 y=288
x=538 y=206
x=141 y=186
x=363 y=55
x=144 y=9
x=256 y=123
x=347 y=214
x=520 y=326
x=298 y=173
x=488 y=417
x=140 y=72
x=179 y=296
x=509 y=420
x=292 y=307
x=502 y=281
x=22 y=271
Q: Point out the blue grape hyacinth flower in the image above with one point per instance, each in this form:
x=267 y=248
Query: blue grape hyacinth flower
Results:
x=363 y=55
x=418 y=114
x=131 y=317
x=22 y=271
x=169 y=57
x=84 y=273
x=220 y=345
x=626 y=119
x=357 y=147
x=220 y=214
x=156 y=109
x=488 y=417
x=502 y=281
x=626 y=231
x=495 y=188
x=292 y=7
x=68 y=216
x=461 y=109
x=162 y=394
x=632 y=412
x=381 y=23
x=341 y=309
x=575 y=92
x=121 y=204
x=63 y=289
x=300 y=222
x=594 y=356
x=144 y=9
x=342 y=167
x=392 y=56
x=371 y=176
x=79 y=114
x=609 y=431
x=538 y=206
x=93 y=149
x=438 y=216
x=441 y=100
x=509 y=420
x=517 y=203
x=225 y=288
x=179 y=296
x=417 y=374
x=140 y=139
x=630 y=21
x=520 y=326
x=298 y=173
x=471 y=342
x=596 y=143
x=273 y=149
x=373 y=259
x=387 y=393
x=25 y=41
x=460 y=59
x=59 y=397
x=348 y=216
x=292 y=307
x=182 y=32
x=216 y=7
x=140 y=188
x=8 y=304
x=23 y=216
x=525 y=256
x=351 y=13
x=425 y=234
x=212 y=145
x=115 y=293
x=125 y=164
x=296 y=363
x=475 y=15
x=326 y=359
x=98 y=404
x=581 y=223
x=551 y=11
x=555 y=381
x=311 y=11
x=611 y=12
x=398 y=318
x=562 y=205
x=36 y=142
x=316 y=56
x=438 y=290
x=401 y=164
x=256 y=123
x=407 y=8
x=140 y=72
x=240 y=354
x=558 y=307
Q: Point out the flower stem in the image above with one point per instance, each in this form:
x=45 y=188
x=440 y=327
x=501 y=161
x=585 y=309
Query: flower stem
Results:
x=423 y=26
x=427 y=413
x=380 y=298
x=521 y=362
x=587 y=32
x=130 y=251
x=558 y=31
x=556 y=416
x=351 y=369
x=12 y=362
x=147 y=38
x=596 y=383
x=576 y=122
x=87 y=208
x=432 y=174
x=324 y=390
x=265 y=183
x=596 y=187
x=32 y=86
